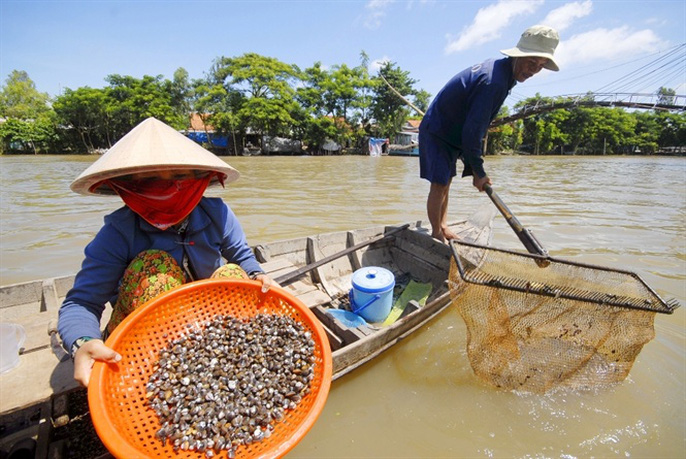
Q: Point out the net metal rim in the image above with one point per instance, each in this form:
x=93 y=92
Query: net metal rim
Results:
x=474 y=276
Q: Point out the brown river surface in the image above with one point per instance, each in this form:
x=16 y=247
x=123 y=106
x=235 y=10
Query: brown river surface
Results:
x=421 y=399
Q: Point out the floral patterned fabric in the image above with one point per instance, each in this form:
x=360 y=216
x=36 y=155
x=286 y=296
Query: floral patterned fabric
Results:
x=150 y=274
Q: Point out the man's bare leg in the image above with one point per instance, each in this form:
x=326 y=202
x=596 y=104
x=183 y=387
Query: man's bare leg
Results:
x=437 y=210
x=447 y=233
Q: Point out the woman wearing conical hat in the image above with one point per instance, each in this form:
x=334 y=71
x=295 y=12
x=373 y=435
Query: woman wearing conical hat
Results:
x=166 y=234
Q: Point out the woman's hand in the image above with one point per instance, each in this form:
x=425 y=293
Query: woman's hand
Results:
x=86 y=356
x=267 y=282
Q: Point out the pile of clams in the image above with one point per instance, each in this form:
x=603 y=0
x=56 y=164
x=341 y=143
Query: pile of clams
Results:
x=228 y=382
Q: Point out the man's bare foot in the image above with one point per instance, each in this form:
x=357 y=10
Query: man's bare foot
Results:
x=438 y=236
x=448 y=234
x=445 y=235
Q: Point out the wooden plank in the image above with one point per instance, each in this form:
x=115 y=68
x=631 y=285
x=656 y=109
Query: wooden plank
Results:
x=38 y=376
x=63 y=285
x=324 y=318
x=294 y=250
x=359 y=352
x=19 y=294
x=36 y=328
x=314 y=298
x=277 y=265
x=411 y=307
x=300 y=288
x=335 y=342
x=349 y=335
x=355 y=256
x=315 y=254
x=49 y=298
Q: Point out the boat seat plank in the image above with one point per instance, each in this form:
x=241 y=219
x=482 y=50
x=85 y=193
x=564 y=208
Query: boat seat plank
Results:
x=280 y=265
x=314 y=298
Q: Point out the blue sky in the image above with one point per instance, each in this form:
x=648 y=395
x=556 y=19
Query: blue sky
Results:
x=604 y=45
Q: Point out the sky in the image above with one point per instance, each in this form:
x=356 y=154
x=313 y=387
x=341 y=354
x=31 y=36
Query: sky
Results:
x=622 y=46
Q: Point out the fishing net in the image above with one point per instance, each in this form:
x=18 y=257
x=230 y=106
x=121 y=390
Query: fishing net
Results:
x=535 y=323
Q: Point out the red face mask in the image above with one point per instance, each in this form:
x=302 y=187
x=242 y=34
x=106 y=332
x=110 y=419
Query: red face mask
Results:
x=162 y=203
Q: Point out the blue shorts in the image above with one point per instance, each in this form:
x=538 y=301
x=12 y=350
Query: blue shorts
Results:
x=436 y=163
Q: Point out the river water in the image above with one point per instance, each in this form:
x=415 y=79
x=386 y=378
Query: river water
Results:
x=421 y=399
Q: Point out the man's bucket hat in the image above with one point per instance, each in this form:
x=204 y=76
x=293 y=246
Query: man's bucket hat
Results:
x=151 y=146
x=538 y=41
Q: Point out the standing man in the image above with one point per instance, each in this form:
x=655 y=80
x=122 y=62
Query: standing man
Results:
x=458 y=118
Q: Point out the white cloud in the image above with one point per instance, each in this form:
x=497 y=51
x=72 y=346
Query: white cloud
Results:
x=376 y=64
x=607 y=44
x=489 y=22
x=375 y=4
x=377 y=11
x=562 y=17
x=411 y=3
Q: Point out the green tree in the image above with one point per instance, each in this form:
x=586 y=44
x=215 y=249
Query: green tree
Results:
x=316 y=123
x=30 y=124
x=131 y=100
x=312 y=93
x=83 y=113
x=218 y=106
x=534 y=127
x=500 y=138
x=267 y=101
x=30 y=136
x=422 y=99
x=555 y=137
x=365 y=97
x=389 y=110
x=672 y=129
x=20 y=99
x=181 y=93
x=608 y=129
x=665 y=96
x=646 y=133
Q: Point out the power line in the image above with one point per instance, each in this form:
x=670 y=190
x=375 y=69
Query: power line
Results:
x=677 y=55
x=580 y=69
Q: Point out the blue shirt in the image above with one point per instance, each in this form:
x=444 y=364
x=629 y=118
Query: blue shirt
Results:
x=462 y=111
x=213 y=230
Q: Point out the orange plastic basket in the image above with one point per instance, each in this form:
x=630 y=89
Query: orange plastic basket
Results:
x=116 y=393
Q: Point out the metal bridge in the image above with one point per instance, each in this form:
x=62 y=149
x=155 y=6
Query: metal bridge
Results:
x=628 y=100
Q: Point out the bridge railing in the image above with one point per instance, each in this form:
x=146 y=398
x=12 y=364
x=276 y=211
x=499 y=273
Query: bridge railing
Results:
x=628 y=100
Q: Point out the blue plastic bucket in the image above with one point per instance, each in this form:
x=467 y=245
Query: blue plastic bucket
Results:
x=372 y=294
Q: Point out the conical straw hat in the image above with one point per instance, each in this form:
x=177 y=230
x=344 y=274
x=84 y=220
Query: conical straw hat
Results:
x=149 y=147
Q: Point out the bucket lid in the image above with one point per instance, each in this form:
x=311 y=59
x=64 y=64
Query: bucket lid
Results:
x=373 y=279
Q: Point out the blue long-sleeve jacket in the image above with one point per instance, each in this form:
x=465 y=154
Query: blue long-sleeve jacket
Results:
x=213 y=232
x=464 y=108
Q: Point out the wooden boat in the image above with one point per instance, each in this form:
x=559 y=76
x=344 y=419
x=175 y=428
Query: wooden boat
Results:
x=318 y=270
x=403 y=150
